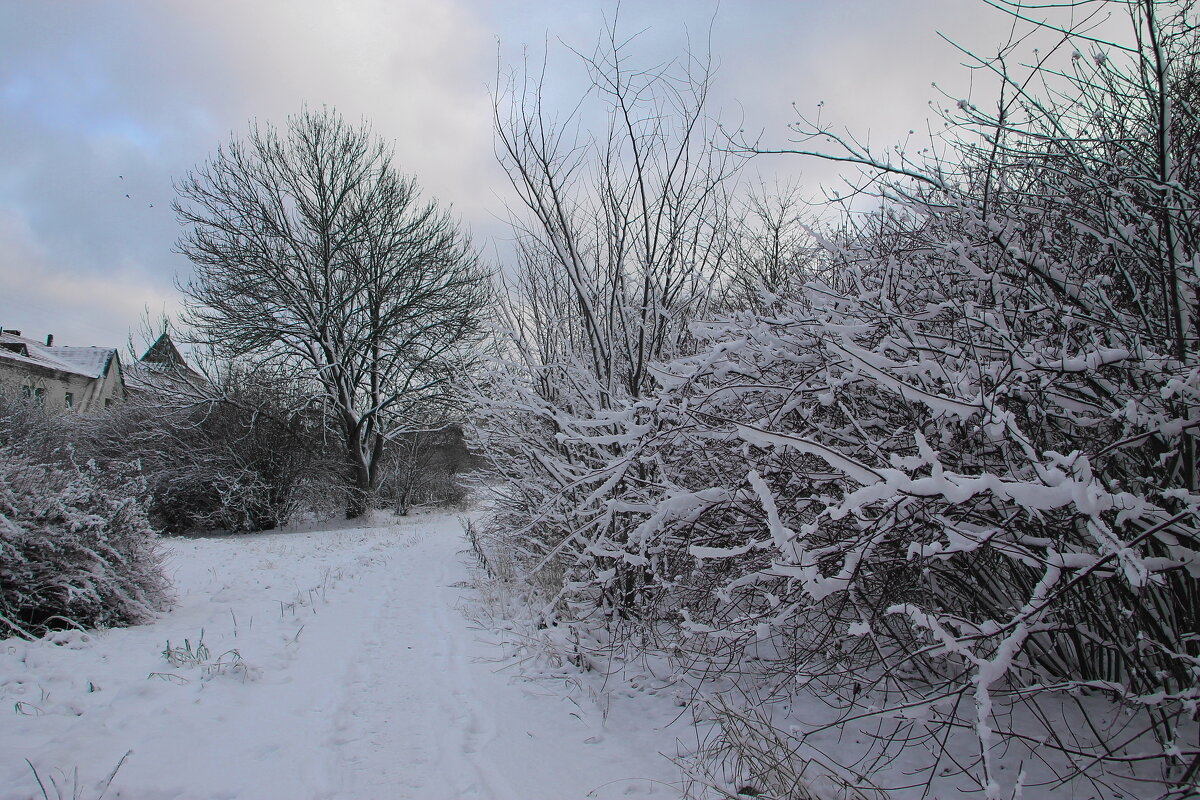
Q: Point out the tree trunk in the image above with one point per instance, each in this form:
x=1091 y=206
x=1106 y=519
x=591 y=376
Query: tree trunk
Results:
x=362 y=473
x=360 y=490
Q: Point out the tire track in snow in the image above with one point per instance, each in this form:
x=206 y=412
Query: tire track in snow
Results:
x=411 y=722
x=474 y=717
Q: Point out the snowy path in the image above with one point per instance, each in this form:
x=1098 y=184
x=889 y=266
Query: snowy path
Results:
x=363 y=678
x=392 y=744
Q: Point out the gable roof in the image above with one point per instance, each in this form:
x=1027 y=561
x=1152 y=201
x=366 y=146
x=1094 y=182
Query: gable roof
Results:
x=163 y=370
x=90 y=361
x=164 y=351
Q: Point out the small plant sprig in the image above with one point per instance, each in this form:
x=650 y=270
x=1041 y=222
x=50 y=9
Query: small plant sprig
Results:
x=200 y=656
x=185 y=656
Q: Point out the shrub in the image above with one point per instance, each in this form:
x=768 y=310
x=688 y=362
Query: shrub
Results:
x=76 y=548
x=424 y=467
x=242 y=454
x=950 y=481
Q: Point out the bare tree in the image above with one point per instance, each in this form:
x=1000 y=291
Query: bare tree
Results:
x=312 y=253
x=621 y=235
x=622 y=232
x=773 y=252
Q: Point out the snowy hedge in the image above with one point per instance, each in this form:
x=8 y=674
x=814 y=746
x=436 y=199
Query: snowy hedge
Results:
x=952 y=481
x=76 y=549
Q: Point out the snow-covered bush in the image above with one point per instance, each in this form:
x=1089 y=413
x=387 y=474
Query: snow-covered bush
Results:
x=237 y=464
x=620 y=240
x=237 y=456
x=954 y=481
x=76 y=548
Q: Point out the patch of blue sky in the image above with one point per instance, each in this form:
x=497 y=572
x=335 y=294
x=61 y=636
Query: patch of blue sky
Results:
x=17 y=91
x=127 y=129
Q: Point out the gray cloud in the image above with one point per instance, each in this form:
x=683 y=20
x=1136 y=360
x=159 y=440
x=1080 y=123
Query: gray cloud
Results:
x=106 y=102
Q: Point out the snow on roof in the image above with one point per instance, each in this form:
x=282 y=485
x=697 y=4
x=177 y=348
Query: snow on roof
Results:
x=88 y=361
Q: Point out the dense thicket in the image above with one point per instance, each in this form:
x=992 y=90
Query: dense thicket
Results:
x=427 y=468
x=76 y=546
x=949 y=475
x=246 y=456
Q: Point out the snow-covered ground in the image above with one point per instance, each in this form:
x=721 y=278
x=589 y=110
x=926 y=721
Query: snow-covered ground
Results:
x=335 y=664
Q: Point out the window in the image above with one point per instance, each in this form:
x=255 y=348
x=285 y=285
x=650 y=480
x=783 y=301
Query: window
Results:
x=108 y=402
x=39 y=396
x=26 y=392
x=69 y=399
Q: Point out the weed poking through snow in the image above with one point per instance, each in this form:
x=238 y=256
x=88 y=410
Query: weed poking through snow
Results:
x=72 y=791
x=200 y=657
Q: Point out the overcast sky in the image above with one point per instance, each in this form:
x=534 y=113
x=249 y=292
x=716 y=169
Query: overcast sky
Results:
x=105 y=102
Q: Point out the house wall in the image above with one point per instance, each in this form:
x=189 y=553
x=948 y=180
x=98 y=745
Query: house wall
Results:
x=110 y=389
x=18 y=380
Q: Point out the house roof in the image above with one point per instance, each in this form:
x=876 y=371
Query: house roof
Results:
x=91 y=362
x=163 y=370
x=164 y=351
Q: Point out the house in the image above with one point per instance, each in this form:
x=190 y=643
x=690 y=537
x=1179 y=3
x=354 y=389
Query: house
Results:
x=60 y=378
x=163 y=372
